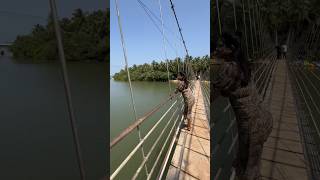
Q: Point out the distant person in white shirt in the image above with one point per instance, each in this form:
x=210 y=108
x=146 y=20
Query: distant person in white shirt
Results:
x=284 y=50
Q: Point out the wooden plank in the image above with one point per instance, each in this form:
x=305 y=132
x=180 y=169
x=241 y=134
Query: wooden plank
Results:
x=282 y=157
x=174 y=174
x=271 y=170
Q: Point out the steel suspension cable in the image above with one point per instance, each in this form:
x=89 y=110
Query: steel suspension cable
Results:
x=310 y=41
x=151 y=16
x=129 y=79
x=180 y=31
x=234 y=15
x=311 y=35
x=262 y=28
x=259 y=28
x=255 y=29
x=71 y=113
x=219 y=18
x=164 y=44
x=250 y=25
x=316 y=39
x=307 y=41
x=314 y=36
x=187 y=66
x=245 y=28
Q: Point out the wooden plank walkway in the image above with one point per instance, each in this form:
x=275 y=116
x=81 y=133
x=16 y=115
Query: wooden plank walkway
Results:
x=191 y=159
x=282 y=157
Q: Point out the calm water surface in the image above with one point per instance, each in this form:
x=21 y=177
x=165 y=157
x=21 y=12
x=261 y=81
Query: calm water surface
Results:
x=35 y=134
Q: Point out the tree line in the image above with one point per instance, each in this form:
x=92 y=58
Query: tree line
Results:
x=292 y=22
x=85 y=36
x=157 y=71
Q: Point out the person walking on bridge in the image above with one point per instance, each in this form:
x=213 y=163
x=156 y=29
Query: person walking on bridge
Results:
x=284 y=50
x=184 y=88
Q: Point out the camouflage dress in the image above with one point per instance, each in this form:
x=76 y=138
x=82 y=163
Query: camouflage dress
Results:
x=254 y=127
x=187 y=97
x=253 y=121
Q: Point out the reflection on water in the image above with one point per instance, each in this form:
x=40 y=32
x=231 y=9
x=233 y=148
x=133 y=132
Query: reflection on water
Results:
x=35 y=134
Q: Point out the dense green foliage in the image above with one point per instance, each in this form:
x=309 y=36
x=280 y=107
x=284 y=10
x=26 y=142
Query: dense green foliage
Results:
x=85 y=36
x=277 y=16
x=157 y=71
x=295 y=22
x=291 y=13
x=265 y=23
x=288 y=16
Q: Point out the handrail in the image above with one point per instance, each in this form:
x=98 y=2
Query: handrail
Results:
x=166 y=159
x=303 y=95
x=136 y=123
x=154 y=145
x=125 y=161
x=158 y=157
x=298 y=80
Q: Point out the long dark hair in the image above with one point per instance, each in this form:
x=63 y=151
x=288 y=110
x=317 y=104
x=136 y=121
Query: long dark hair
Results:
x=234 y=43
x=184 y=79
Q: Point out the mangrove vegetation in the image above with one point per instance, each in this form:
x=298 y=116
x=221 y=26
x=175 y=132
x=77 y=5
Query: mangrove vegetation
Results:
x=85 y=36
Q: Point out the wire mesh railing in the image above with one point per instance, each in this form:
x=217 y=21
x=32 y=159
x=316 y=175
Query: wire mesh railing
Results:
x=205 y=88
x=306 y=90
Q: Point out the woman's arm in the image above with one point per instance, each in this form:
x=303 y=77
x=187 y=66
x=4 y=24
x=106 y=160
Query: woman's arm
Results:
x=176 y=91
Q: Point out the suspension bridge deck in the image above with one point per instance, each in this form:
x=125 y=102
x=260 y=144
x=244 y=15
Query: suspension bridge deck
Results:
x=283 y=157
x=191 y=159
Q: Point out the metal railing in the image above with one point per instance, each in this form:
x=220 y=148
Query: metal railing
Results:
x=205 y=88
x=172 y=116
x=306 y=90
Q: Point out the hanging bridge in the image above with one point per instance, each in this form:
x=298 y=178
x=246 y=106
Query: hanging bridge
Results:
x=182 y=153
x=165 y=149
x=288 y=88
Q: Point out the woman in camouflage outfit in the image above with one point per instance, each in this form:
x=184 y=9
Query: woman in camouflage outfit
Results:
x=184 y=89
x=253 y=121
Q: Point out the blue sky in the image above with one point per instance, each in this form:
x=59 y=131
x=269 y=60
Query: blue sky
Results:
x=144 y=41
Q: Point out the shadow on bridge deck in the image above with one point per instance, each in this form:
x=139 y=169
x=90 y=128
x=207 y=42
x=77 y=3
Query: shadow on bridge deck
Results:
x=283 y=157
x=191 y=159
